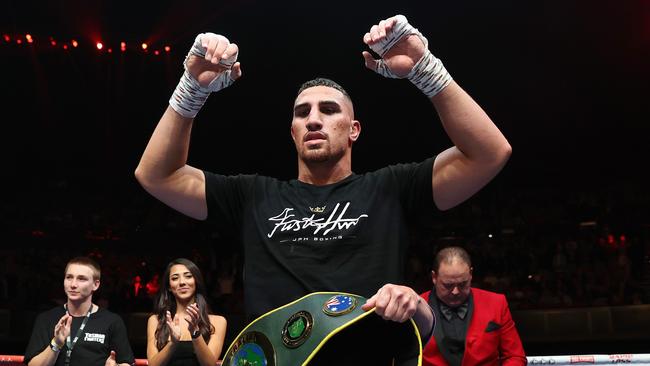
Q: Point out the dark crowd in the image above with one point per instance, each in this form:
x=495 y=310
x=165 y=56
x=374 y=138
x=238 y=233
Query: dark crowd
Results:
x=540 y=247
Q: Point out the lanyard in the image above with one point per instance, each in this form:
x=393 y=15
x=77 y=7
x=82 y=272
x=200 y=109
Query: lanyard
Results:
x=69 y=343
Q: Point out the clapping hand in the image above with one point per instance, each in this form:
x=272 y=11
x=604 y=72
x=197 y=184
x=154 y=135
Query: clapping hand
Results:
x=174 y=327
x=62 y=329
x=193 y=317
x=110 y=361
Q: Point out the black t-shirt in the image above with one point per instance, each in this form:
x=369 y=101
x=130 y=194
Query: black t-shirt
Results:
x=104 y=332
x=299 y=238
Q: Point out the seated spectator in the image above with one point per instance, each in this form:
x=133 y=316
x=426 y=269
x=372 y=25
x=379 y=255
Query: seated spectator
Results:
x=182 y=331
x=83 y=334
x=474 y=326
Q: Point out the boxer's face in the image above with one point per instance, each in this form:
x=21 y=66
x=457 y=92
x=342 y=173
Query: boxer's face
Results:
x=453 y=282
x=323 y=126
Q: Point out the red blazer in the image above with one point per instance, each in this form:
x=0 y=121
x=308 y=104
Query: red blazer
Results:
x=498 y=344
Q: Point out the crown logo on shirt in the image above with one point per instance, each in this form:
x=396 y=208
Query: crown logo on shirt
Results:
x=317 y=209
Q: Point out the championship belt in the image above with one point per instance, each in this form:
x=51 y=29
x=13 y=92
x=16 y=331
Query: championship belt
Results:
x=325 y=328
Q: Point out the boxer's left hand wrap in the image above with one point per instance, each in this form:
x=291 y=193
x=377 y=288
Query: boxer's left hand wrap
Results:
x=428 y=74
x=189 y=96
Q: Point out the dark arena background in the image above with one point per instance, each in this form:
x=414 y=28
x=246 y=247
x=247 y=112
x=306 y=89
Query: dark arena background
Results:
x=563 y=231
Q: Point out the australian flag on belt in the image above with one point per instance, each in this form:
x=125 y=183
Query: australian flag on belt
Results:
x=339 y=303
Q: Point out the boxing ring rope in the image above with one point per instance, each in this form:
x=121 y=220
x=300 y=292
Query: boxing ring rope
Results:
x=628 y=358
x=631 y=358
x=15 y=360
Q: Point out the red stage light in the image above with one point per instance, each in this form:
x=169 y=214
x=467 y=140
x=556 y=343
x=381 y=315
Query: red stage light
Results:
x=72 y=43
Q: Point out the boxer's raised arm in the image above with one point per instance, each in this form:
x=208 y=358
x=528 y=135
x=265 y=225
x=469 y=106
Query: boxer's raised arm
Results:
x=163 y=171
x=480 y=150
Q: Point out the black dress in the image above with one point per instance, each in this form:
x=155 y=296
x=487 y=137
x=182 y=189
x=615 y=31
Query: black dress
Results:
x=184 y=355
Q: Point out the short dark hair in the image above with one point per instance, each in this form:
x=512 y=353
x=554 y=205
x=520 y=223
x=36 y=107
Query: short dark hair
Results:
x=86 y=261
x=322 y=82
x=448 y=254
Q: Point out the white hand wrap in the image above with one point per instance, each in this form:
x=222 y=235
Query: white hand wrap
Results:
x=189 y=96
x=428 y=74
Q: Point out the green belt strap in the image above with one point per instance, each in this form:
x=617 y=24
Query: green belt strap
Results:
x=325 y=328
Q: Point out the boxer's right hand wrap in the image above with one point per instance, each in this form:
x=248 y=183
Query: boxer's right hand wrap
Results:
x=428 y=74
x=189 y=96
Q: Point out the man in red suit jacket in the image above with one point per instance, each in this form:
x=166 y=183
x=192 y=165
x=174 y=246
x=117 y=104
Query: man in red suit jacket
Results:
x=474 y=327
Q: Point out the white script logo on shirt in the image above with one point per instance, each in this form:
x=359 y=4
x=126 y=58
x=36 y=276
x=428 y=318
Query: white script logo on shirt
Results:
x=286 y=221
x=95 y=337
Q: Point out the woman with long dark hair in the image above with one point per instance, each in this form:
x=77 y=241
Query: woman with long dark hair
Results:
x=181 y=331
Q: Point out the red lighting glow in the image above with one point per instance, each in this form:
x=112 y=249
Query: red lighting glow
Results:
x=68 y=44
